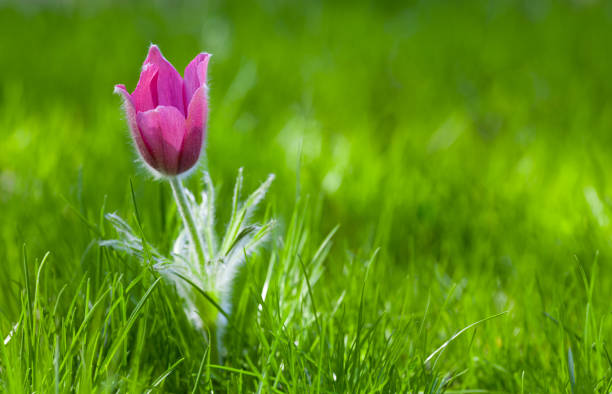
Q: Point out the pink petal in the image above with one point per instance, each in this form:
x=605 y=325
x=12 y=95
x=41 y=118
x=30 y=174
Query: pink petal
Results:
x=169 y=81
x=195 y=127
x=145 y=94
x=195 y=76
x=163 y=129
x=130 y=114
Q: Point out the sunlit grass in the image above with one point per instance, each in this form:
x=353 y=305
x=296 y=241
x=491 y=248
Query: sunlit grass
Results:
x=437 y=164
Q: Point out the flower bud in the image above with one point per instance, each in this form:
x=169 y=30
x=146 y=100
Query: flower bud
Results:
x=167 y=114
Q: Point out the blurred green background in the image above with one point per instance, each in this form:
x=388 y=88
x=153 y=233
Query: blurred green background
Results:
x=470 y=140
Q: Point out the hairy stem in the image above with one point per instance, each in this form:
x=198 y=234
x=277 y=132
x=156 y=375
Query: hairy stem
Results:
x=183 y=207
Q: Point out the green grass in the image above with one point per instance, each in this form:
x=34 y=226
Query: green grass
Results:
x=461 y=148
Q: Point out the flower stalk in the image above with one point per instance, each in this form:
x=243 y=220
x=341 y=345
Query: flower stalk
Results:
x=183 y=206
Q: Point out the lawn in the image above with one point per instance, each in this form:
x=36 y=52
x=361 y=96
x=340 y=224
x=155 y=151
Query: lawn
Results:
x=441 y=203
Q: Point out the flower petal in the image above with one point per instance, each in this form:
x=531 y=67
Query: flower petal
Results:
x=163 y=129
x=130 y=115
x=195 y=76
x=169 y=82
x=195 y=129
x=145 y=94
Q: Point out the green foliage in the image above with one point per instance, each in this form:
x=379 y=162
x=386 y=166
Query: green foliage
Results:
x=438 y=163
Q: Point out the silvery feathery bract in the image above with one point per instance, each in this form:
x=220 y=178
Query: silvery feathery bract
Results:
x=206 y=290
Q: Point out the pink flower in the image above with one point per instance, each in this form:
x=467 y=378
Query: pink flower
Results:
x=167 y=114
